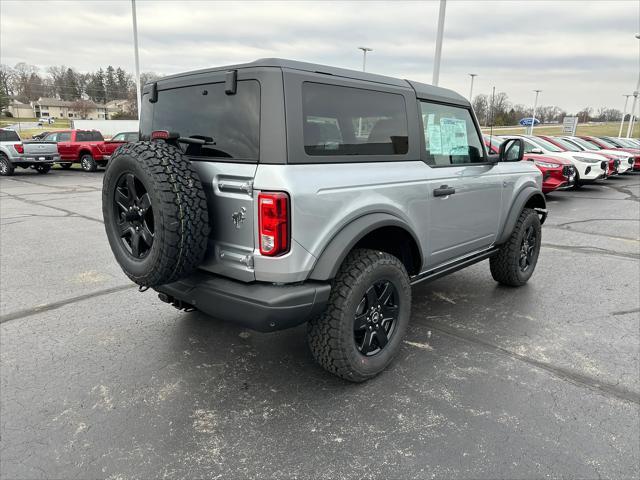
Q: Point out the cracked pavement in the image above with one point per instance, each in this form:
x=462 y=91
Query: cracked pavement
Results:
x=98 y=380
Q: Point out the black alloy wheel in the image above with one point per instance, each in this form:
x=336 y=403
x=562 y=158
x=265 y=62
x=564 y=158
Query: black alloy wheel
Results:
x=134 y=215
x=376 y=318
x=528 y=248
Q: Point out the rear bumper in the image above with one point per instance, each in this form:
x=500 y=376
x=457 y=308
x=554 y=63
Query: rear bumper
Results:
x=29 y=159
x=260 y=306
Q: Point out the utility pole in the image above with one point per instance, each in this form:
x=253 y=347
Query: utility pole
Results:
x=533 y=115
x=624 y=113
x=635 y=97
x=472 y=75
x=364 y=56
x=438 y=56
x=137 y=58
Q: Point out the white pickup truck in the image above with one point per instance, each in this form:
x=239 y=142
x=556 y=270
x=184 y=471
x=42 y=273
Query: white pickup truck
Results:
x=28 y=154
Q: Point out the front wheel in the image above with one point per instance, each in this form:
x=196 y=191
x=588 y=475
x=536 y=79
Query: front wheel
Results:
x=516 y=260
x=366 y=318
x=87 y=163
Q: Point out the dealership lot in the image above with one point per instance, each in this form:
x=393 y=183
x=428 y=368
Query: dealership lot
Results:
x=101 y=381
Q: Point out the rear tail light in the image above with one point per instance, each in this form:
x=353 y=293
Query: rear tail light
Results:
x=273 y=223
x=19 y=147
x=159 y=135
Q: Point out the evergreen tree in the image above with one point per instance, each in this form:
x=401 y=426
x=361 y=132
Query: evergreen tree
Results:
x=95 y=87
x=71 y=89
x=111 y=85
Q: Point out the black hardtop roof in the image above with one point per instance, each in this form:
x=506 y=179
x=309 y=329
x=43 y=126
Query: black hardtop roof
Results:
x=422 y=89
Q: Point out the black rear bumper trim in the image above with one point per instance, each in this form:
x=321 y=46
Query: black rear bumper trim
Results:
x=260 y=306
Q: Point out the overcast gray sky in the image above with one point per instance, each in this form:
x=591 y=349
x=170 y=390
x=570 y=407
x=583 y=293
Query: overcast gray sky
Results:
x=578 y=52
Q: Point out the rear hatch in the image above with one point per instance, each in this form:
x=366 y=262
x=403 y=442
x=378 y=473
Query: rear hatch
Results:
x=226 y=163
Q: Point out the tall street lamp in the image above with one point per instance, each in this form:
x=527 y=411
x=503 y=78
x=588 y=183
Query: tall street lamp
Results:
x=438 y=56
x=624 y=113
x=533 y=115
x=364 y=56
x=137 y=58
x=635 y=99
x=472 y=75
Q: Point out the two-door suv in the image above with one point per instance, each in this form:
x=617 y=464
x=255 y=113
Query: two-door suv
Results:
x=275 y=193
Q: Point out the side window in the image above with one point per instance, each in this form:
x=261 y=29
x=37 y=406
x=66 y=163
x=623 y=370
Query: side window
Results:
x=352 y=121
x=64 y=137
x=51 y=137
x=118 y=138
x=450 y=136
x=529 y=147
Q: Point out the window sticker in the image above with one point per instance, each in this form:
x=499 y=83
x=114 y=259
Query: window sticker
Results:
x=453 y=133
x=433 y=136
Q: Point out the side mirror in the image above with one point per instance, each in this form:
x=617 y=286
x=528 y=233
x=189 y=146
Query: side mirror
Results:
x=511 y=150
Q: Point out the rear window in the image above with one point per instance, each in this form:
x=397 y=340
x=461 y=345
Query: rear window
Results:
x=230 y=124
x=9 y=136
x=351 y=121
x=88 y=137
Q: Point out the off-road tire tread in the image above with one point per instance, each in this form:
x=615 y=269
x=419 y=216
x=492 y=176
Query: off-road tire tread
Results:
x=323 y=335
x=504 y=265
x=184 y=207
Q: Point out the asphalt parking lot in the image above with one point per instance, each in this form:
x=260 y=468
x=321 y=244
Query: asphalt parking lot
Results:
x=101 y=381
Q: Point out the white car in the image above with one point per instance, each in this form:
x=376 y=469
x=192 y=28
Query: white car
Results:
x=590 y=166
x=626 y=159
x=46 y=120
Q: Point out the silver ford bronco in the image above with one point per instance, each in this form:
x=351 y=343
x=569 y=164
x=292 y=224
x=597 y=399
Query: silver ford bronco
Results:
x=275 y=193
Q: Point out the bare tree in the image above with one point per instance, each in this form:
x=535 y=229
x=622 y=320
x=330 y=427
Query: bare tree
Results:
x=83 y=107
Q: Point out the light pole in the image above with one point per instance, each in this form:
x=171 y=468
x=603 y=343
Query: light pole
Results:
x=472 y=75
x=137 y=58
x=364 y=56
x=635 y=99
x=438 y=56
x=624 y=113
x=533 y=115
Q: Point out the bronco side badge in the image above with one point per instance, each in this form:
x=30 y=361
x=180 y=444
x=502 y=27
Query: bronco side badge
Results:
x=239 y=217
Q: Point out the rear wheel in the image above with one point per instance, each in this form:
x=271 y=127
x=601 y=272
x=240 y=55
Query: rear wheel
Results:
x=87 y=163
x=6 y=167
x=155 y=213
x=42 y=169
x=366 y=318
x=515 y=262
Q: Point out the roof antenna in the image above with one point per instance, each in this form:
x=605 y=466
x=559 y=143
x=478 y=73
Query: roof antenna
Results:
x=493 y=96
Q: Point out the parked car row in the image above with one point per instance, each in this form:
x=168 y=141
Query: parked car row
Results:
x=64 y=147
x=572 y=161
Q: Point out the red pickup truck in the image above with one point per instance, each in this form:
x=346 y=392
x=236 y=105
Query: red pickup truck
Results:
x=86 y=147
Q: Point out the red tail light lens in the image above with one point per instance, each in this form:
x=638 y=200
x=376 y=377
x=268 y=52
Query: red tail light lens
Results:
x=159 y=134
x=19 y=148
x=273 y=223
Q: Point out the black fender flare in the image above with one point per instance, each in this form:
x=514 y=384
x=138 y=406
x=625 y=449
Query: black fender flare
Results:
x=342 y=243
x=526 y=195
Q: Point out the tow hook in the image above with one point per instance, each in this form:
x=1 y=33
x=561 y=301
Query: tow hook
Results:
x=543 y=212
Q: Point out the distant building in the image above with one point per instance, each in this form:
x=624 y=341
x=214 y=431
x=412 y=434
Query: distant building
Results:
x=52 y=107
x=19 y=109
x=118 y=106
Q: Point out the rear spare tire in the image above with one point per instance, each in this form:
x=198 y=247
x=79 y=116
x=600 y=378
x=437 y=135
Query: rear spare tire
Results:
x=155 y=213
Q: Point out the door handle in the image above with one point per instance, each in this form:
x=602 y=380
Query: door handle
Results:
x=444 y=191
